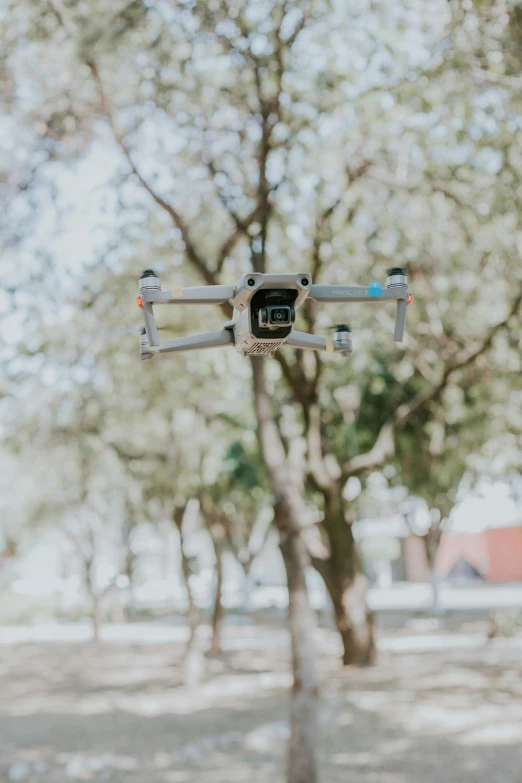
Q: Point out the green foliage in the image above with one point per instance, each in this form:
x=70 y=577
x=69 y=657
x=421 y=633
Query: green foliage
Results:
x=241 y=468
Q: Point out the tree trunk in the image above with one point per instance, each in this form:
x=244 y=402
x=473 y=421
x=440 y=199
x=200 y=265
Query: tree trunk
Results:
x=302 y=761
x=95 y=599
x=193 y=616
x=290 y=515
x=247 y=587
x=354 y=620
x=432 y=543
x=96 y=618
x=346 y=584
x=130 y=559
x=217 y=615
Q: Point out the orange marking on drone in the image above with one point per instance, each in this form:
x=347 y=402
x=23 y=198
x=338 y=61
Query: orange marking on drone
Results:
x=410 y=297
x=139 y=300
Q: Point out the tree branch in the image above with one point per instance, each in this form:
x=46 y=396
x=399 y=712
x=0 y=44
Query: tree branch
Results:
x=226 y=248
x=271 y=443
x=204 y=270
x=294 y=378
x=485 y=75
x=316 y=463
x=303 y=386
x=384 y=446
x=129 y=456
x=241 y=224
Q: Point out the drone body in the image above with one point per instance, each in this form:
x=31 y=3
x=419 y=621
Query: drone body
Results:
x=264 y=312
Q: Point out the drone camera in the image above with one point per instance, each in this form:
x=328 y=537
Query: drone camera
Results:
x=274 y=316
x=273 y=313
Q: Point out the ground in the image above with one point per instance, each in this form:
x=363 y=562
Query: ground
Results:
x=440 y=706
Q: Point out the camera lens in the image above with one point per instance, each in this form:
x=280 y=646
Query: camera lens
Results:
x=276 y=316
x=279 y=315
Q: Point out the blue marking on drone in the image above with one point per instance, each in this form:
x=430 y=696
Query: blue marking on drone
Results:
x=375 y=288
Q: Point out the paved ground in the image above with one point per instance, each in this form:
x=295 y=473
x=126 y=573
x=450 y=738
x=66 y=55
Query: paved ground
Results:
x=440 y=707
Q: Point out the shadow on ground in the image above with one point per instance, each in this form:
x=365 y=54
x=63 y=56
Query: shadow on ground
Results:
x=121 y=713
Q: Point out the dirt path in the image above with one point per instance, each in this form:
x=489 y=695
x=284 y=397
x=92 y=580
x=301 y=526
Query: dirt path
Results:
x=120 y=712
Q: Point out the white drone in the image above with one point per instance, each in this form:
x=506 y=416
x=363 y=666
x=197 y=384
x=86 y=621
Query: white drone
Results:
x=264 y=312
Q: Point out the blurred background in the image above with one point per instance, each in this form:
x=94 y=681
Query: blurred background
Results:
x=156 y=516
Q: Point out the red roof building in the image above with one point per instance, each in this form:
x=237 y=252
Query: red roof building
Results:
x=496 y=554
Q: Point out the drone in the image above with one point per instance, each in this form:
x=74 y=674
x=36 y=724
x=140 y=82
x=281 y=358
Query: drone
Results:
x=264 y=312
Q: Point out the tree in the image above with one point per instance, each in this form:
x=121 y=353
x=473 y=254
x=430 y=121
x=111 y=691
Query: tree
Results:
x=303 y=136
x=341 y=569
x=242 y=504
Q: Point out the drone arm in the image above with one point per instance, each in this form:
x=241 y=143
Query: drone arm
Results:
x=306 y=341
x=400 y=320
x=354 y=293
x=212 y=294
x=201 y=294
x=197 y=342
x=150 y=324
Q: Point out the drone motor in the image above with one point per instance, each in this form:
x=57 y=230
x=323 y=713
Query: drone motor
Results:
x=342 y=340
